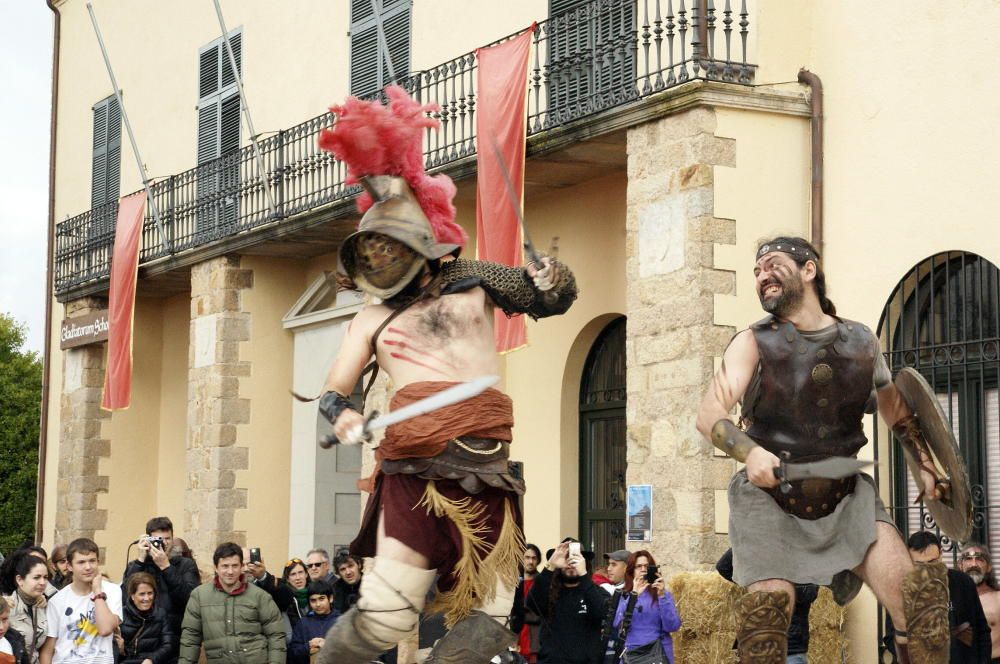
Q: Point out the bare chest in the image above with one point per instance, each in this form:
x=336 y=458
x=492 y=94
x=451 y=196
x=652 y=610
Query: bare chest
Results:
x=438 y=335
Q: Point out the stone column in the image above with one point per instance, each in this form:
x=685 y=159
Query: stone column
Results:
x=215 y=409
x=81 y=446
x=671 y=336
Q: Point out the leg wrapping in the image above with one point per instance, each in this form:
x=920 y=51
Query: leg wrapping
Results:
x=762 y=635
x=925 y=605
x=392 y=597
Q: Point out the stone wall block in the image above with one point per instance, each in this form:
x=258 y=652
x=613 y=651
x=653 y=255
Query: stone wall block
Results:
x=671 y=234
x=216 y=408
x=230 y=458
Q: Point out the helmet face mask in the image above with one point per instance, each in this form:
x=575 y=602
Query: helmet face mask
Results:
x=384 y=261
x=394 y=240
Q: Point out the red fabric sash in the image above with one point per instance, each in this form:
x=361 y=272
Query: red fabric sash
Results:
x=487 y=415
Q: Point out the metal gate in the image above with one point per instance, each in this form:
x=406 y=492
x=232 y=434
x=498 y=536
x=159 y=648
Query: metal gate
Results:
x=602 y=442
x=942 y=320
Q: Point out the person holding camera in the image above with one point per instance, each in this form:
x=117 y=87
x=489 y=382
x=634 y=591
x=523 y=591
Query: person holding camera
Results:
x=647 y=616
x=176 y=576
x=570 y=605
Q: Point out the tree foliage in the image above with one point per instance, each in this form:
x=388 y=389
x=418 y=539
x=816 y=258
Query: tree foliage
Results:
x=20 y=405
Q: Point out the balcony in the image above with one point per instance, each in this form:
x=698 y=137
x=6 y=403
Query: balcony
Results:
x=599 y=59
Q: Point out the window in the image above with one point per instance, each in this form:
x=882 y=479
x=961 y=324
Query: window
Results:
x=369 y=69
x=105 y=178
x=590 y=56
x=943 y=319
x=218 y=136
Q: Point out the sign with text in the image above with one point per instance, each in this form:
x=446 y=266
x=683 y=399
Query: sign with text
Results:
x=639 y=517
x=83 y=330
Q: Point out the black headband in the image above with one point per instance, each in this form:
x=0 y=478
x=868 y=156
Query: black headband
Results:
x=789 y=246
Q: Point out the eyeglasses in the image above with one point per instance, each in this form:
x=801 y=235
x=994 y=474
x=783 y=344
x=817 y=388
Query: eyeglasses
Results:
x=294 y=561
x=314 y=565
x=60 y=561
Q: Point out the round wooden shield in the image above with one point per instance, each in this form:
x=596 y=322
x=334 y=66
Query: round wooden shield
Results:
x=952 y=514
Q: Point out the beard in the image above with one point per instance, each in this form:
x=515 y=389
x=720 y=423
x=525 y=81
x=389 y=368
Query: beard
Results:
x=787 y=300
x=977 y=576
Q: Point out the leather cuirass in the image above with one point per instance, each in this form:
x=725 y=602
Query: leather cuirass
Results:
x=812 y=395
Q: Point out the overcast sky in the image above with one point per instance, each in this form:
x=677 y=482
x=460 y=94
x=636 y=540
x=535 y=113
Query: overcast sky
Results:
x=25 y=78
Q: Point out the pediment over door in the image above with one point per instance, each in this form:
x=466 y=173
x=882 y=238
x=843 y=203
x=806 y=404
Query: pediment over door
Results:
x=320 y=302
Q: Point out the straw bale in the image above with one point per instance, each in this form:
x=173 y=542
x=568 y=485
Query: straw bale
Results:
x=706 y=604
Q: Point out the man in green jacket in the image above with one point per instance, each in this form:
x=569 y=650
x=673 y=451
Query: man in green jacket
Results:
x=237 y=622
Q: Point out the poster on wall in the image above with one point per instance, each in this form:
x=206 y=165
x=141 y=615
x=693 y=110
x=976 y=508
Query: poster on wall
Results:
x=639 y=516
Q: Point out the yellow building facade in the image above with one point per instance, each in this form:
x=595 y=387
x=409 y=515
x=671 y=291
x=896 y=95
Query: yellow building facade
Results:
x=656 y=184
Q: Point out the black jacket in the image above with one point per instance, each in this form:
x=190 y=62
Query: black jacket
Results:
x=345 y=595
x=17 y=645
x=963 y=607
x=151 y=637
x=571 y=630
x=173 y=585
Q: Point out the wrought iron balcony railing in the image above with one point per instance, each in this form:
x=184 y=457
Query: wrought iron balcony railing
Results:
x=597 y=56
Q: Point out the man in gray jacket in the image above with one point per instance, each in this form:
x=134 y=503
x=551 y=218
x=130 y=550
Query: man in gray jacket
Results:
x=237 y=622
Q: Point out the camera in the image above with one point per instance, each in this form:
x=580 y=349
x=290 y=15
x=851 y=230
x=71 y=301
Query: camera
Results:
x=652 y=572
x=156 y=541
x=255 y=554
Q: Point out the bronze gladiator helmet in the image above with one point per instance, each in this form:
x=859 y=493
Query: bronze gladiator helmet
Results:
x=394 y=239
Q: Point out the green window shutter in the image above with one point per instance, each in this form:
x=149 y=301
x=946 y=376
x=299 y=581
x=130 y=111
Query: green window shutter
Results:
x=107 y=152
x=369 y=71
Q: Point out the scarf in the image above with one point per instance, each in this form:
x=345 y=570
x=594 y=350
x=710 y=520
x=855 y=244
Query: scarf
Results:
x=301 y=598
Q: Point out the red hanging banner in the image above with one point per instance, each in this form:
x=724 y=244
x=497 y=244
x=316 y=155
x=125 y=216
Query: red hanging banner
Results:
x=121 y=302
x=500 y=127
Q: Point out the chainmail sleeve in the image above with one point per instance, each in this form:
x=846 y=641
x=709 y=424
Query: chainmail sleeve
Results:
x=511 y=288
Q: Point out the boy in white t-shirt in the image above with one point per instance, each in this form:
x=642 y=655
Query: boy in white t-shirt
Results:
x=83 y=616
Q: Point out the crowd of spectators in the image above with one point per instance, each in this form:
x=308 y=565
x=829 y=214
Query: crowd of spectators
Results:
x=63 y=608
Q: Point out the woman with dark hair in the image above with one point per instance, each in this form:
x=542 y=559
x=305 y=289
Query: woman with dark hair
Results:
x=295 y=579
x=645 y=621
x=147 y=637
x=23 y=579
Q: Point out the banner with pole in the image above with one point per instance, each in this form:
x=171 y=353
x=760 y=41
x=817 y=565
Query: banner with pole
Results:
x=121 y=302
x=501 y=90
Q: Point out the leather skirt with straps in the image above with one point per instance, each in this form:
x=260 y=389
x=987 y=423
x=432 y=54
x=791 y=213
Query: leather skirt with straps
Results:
x=474 y=463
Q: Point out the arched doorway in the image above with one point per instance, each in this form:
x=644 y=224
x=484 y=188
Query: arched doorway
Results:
x=943 y=319
x=602 y=442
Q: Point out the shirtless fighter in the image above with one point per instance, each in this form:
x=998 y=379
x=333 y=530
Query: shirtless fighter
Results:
x=444 y=503
x=975 y=561
x=805 y=378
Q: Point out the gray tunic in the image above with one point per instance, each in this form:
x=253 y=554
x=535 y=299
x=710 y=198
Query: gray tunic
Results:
x=769 y=543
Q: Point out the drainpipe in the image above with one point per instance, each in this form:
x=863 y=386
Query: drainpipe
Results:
x=43 y=429
x=816 y=126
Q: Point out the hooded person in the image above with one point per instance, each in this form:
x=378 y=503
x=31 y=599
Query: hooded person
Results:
x=445 y=502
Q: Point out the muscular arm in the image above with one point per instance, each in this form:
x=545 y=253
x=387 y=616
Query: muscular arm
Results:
x=729 y=383
x=355 y=352
x=891 y=405
x=511 y=288
x=728 y=386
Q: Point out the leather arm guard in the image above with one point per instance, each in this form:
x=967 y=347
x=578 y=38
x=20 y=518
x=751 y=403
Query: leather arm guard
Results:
x=332 y=404
x=511 y=288
x=912 y=437
x=730 y=439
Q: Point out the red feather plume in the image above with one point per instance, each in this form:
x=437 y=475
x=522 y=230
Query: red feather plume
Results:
x=375 y=139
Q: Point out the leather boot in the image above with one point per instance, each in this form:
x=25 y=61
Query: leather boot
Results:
x=762 y=635
x=476 y=639
x=925 y=605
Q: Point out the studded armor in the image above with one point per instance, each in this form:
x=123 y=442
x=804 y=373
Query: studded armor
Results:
x=510 y=288
x=812 y=396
